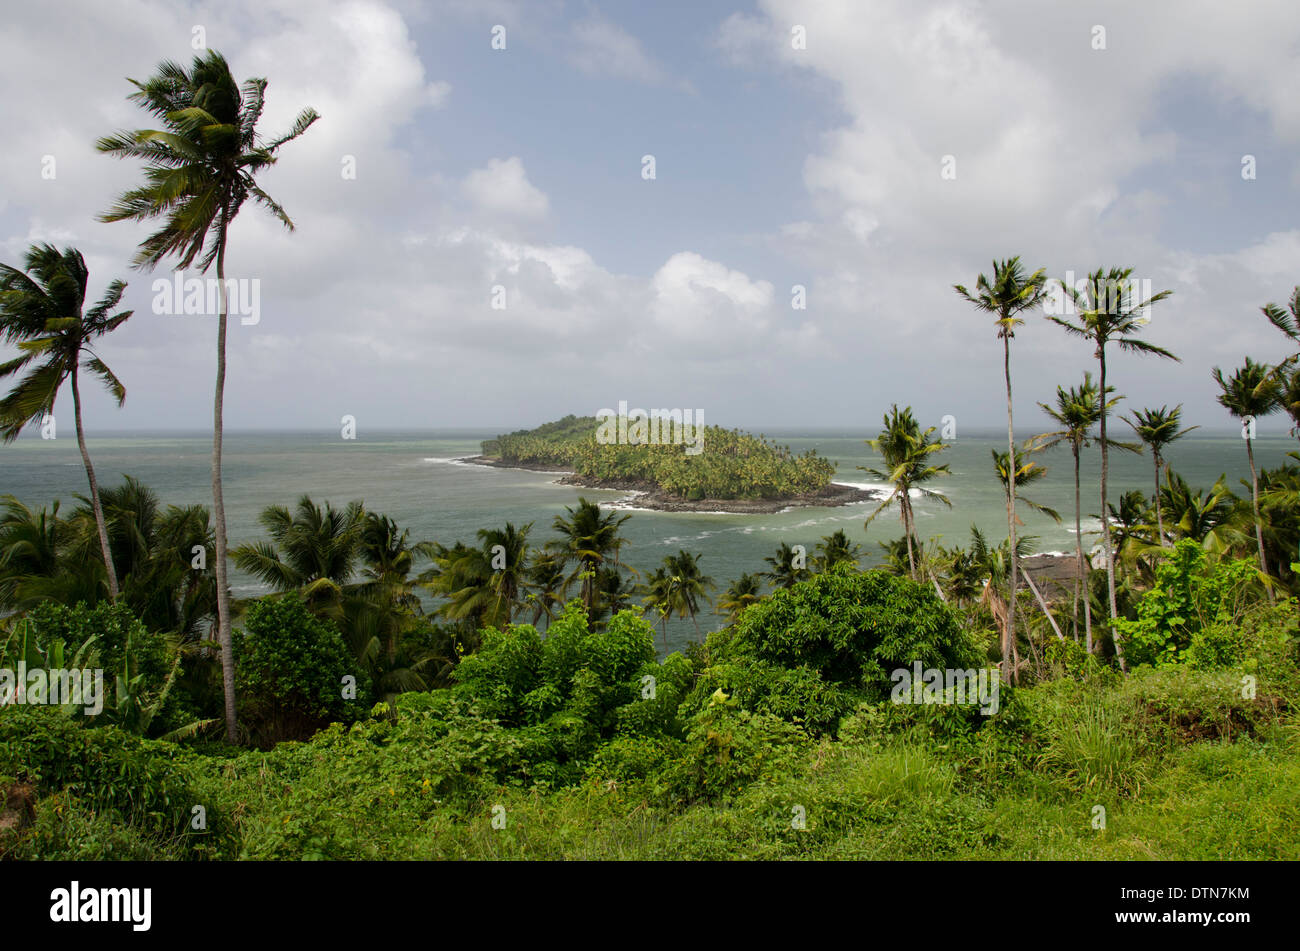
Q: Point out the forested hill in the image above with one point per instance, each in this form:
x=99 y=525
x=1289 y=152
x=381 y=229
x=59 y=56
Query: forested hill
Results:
x=685 y=462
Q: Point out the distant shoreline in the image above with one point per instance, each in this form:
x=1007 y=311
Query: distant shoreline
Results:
x=655 y=499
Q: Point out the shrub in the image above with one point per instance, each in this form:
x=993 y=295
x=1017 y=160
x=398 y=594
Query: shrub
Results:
x=854 y=627
x=292 y=668
x=1192 y=612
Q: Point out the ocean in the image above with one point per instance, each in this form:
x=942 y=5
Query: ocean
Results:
x=414 y=478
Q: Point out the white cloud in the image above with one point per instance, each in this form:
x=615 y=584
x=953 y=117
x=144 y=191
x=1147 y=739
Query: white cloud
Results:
x=502 y=188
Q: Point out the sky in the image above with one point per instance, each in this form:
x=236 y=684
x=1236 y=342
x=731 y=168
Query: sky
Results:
x=478 y=243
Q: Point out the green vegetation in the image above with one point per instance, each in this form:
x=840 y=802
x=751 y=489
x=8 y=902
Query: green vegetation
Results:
x=776 y=740
x=731 y=464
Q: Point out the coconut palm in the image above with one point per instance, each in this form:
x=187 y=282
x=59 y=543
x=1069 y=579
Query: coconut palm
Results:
x=1289 y=398
x=382 y=617
x=588 y=540
x=42 y=312
x=1287 y=321
x=507 y=553
x=1107 y=310
x=1077 y=410
x=200 y=168
x=906 y=451
x=1005 y=296
x=1250 y=392
x=788 y=567
x=834 y=549
x=1157 y=428
x=994 y=565
x=1200 y=516
x=686 y=586
x=313 y=551
x=546 y=586
x=740 y=594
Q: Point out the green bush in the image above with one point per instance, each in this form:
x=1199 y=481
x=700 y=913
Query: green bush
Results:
x=149 y=784
x=1192 y=612
x=854 y=628
x=292 y=672
x=728 y=749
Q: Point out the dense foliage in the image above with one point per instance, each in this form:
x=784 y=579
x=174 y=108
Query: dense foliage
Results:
x=730 y=465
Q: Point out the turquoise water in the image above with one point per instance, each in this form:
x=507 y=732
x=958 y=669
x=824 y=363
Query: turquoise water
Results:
x=411 y=477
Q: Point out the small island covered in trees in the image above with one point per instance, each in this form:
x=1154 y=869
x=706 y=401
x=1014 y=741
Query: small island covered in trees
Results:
x=673 y=465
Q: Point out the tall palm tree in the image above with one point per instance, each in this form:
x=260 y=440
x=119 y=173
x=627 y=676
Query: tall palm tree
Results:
x=1250 y=392
x=41 y=312
x=1107 y=310
x=1005 y=296
x=1157 y=428
x=200 y=168
x=784 y=572
x=906 y=451
x=588 y=540
x=740 y=594
x=1077 y=410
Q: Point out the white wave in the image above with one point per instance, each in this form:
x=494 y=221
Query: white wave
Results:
x=884 y=487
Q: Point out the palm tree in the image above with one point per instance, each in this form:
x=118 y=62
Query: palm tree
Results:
x=785 y=573
x=677 y=587
x=1008 y=294
x=740 y=594
x=588 y=539
x=995 y=565
x=314 y=551
x=906 y=451
x=1157 y=428
x=1287 y=321
x=1077 y=410
x=545 y=581
x=1026 y=472
x=153 y=550
x=507 y=552
x=1202 y=517
x=1289 y=398
x=1251 y=392
x=199 y=170
x=834 y=549
x=1109 y=311
x=41 y=312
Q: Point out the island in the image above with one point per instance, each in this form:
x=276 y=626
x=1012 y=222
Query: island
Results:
x=673 y=466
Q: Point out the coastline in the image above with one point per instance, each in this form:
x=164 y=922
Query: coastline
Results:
x=652 y=498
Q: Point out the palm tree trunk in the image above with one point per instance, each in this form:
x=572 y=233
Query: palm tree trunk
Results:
x=1008 y=649
x=1078 y=547
x=1160 y=518
x=95 y=505
x=224 y=635
x=1254 y=502
x=907 y=534
x=1105 y=521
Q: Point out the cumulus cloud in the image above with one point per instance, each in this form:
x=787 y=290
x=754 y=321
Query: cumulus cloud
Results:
x=503 y=188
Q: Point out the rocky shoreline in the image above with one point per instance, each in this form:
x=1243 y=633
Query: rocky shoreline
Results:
x=649 y=496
